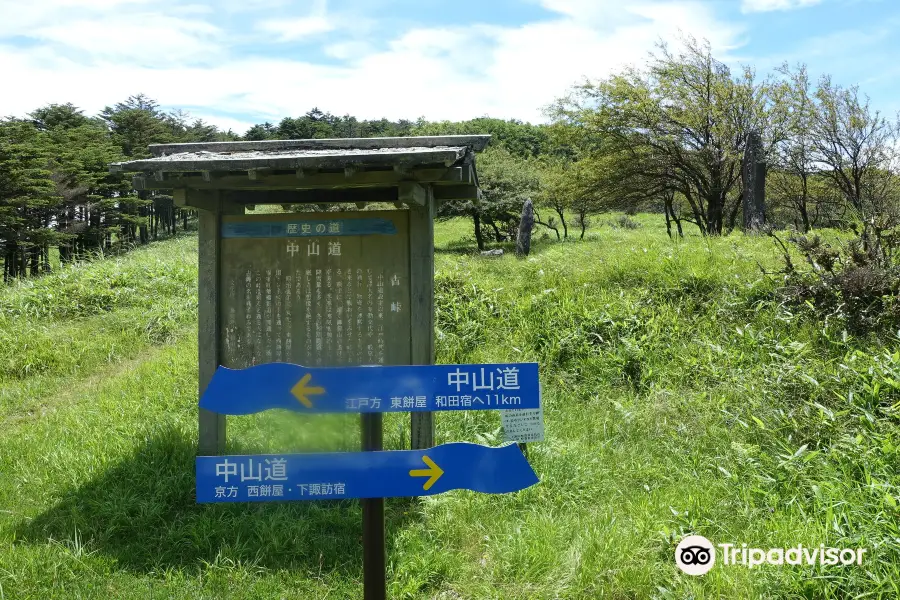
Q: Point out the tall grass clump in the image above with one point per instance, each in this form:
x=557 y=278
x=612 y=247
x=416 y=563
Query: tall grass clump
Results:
x=97 y=312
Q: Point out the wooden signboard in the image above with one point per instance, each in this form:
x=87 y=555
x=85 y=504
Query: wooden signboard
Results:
x=318 y=289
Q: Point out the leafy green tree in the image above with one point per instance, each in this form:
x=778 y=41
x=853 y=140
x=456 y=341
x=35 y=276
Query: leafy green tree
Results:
x=316 y=124
x=54 y=116
x=558 y=191
x=857 y=146
x=676 y=128
x=571 y=187
x=137 y=123
x=522 y=140
x=506 y=181
x=264 y=131
x=790 y=179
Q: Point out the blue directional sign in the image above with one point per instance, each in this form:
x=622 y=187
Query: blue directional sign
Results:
x=385 y=474
x=377 y=389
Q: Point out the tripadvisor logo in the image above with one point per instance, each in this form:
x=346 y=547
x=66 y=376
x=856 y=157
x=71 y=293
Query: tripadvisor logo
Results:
x=696 y=555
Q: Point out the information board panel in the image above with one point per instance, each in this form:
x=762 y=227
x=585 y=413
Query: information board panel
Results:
x=320 y=289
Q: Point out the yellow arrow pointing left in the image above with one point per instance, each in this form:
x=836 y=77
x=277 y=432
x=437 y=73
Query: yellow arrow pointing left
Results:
x=433 y=472
x=301 y=391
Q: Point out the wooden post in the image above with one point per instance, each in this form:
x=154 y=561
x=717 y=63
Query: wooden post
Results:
x=374 y=558
x=212 y=425
x=421 y=285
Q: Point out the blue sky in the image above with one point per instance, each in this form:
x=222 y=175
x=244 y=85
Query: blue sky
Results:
x=239 y=62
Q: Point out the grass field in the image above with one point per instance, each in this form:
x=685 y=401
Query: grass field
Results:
x=679 y=398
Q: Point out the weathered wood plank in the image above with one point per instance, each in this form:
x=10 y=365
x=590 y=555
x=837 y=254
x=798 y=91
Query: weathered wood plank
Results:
x=201 y=199
x=412 y=193
x=441 y=176
x=212 y=425
x=475 y=142
x=421 y=282
x=364 y=195
x=457 y=192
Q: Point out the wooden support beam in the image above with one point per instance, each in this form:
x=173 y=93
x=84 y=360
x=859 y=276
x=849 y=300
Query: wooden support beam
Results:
x=453 y=176
x=457 y=192
x=202 y=199
x=421 y=286
x=159 y=176
x=412 y=193
x=357 y=195
x=212 y=425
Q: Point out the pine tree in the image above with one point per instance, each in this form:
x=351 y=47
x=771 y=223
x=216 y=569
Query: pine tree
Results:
x=27 y=196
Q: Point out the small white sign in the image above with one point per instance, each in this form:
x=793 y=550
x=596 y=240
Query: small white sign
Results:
x=525 y=425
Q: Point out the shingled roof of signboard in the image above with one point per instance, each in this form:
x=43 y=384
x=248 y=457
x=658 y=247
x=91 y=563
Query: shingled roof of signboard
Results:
x=360 y=170
x=352 y=154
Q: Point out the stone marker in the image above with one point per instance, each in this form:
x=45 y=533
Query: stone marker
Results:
x=753 y=172
x=523 y=241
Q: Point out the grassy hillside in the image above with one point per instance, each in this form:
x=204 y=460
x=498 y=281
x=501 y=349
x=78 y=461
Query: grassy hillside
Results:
x=679 y=398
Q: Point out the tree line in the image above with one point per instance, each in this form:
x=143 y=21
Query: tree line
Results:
x=667 y=137
x=670 y=136
x=56 y=190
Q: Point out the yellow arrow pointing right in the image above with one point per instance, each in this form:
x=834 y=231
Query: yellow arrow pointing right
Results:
x=301 y=391
x=433 y=472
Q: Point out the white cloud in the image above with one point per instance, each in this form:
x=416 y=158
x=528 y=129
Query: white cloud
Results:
x=289 y=30
x=748 y=6
x=142 y=38
x=223 y=123
x=19 y=18
x=440 y=73
x=598 y=12
x=243 y=6
x=348 y=50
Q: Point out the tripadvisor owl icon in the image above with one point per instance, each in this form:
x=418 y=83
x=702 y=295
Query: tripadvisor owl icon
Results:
x=695 y=555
